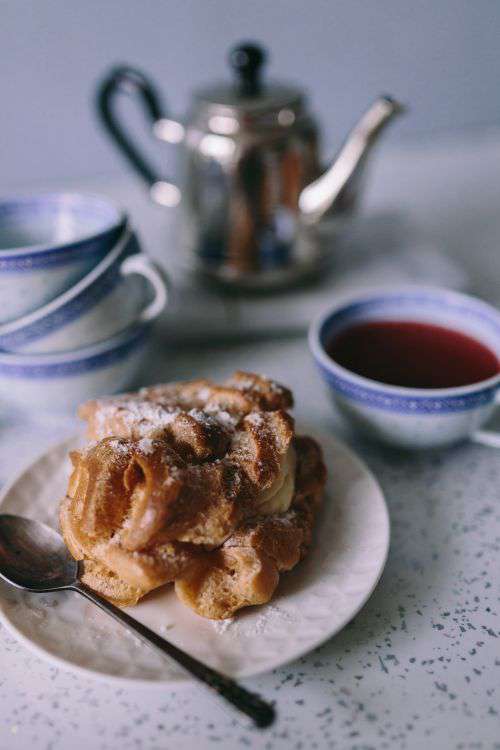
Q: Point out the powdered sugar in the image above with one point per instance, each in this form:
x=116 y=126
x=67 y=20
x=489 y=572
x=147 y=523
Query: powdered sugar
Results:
x=145 y=445
x=221 y=626
x=202 y=417
x=259 y=383
x=221 y=416
x=141 y=417
x=119 y=446
x=137 y=415
x=226 y=419
x=255 y=418
x=271 y=616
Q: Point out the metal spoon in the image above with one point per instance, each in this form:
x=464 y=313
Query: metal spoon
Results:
x=34 y=557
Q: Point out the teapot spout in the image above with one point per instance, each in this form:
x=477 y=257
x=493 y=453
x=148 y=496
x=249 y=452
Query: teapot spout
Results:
x=335 y=190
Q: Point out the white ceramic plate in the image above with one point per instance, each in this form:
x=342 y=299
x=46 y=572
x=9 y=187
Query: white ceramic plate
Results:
x=312 y=603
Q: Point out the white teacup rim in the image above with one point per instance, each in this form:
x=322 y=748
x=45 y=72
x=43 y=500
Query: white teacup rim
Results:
x=69 y=197
x=319 y=352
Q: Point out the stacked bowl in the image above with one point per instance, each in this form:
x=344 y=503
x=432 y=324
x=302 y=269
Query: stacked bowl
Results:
x=77 y=300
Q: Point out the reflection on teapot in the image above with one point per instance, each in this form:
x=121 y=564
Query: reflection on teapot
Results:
x=254 y=194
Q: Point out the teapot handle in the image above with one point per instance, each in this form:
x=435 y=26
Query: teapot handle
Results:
x=127 y=80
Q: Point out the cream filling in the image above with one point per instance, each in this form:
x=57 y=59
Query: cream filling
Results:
x=277 y=498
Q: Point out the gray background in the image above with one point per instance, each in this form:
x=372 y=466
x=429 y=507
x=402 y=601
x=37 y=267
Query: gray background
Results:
x=441 y=56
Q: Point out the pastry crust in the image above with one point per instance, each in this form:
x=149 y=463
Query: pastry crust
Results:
x=245 y=570
x=200 y=484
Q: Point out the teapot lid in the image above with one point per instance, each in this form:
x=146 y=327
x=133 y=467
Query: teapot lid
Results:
x=248 y=96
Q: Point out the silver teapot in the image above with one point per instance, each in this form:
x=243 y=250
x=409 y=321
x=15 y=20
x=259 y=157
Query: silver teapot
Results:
x=254 y=194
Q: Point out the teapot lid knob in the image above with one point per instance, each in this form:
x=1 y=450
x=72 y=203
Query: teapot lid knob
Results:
x=246 y=61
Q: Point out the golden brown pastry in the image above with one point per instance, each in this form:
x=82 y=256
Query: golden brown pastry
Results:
x=202 y=484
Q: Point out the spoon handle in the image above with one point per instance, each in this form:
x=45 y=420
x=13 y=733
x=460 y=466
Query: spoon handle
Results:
x=251 y=704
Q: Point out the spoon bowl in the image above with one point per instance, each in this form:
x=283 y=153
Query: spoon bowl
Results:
x=33 y=556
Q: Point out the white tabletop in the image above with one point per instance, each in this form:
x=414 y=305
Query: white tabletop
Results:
x=420 y=665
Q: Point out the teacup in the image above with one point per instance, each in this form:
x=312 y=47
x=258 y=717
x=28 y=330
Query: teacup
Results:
x=108 y=299
x=47 y=243
x=402 y=416
x=59 y=382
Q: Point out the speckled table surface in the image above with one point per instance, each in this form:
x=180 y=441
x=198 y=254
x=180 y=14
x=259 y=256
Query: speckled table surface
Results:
x=420 y=664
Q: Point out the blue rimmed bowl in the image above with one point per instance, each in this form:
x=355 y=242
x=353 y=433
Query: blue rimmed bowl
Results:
x=59 y=382
x=411 y=417
x=48 y=242
x=125 y=287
